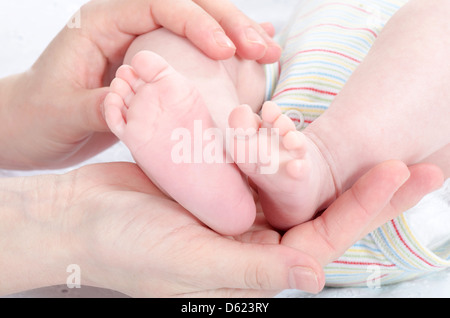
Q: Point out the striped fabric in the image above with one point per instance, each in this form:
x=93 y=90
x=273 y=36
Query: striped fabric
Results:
x=323 y=44
x=389 y=255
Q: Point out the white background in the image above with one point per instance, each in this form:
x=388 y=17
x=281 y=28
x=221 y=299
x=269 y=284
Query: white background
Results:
x=27 y=26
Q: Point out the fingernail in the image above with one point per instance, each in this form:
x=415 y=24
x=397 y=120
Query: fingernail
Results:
x=304 y=279
x=254 y=37
x=223 y=40
x=275 y=45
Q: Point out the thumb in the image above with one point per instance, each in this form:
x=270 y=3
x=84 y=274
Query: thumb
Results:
x=90 y=114
x=266 y=268
x=347 y=219
x=424 y=179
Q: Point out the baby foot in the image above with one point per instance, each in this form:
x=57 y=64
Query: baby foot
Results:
x=149 y=101
x=301 y=185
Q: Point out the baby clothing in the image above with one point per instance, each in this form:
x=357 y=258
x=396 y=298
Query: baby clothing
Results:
x=322 y=45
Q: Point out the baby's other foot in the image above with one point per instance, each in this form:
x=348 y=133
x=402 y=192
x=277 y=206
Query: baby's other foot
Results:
x=148 y=103
x=293 y=179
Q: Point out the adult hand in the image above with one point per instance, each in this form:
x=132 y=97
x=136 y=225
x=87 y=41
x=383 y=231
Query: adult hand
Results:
x=127 y=236
x=52 y=114
x=376 y=198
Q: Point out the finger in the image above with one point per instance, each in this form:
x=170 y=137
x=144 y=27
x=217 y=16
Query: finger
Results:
x=274 y=51
x=187 y=19
x=424 y=179
x=268 y=28
x=184 y=18
x=346 y=220
x=260 y=237
x=88 y=111
x=264 y=268
x=250 y=38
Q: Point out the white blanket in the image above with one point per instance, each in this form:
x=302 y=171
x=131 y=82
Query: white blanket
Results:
x=27 y=26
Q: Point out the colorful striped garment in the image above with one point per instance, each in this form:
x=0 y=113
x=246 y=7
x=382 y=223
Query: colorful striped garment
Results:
x=322 y=45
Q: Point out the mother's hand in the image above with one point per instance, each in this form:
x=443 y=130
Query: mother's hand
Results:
x=141 y=243
x=54 y=110
x=379 y=196
x=125 y=235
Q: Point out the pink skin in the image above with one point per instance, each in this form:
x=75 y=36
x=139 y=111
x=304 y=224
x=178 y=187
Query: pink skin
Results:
x=367 y=123
x=80 y=63
x=147 y=103
x=150 y=100
x=395 y=105
x=236 y=81
x=302 y=181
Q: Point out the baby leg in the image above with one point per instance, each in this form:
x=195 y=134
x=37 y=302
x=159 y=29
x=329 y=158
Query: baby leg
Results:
x=290 y=173
x=396 y=104
x=321 y=50
x=376 y=96
x=150 y=106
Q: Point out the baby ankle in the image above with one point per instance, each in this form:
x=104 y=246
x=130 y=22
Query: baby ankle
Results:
x=332 y=183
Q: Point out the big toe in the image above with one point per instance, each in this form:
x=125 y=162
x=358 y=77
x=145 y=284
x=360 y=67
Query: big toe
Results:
x=244 y=117
x=150 y=66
